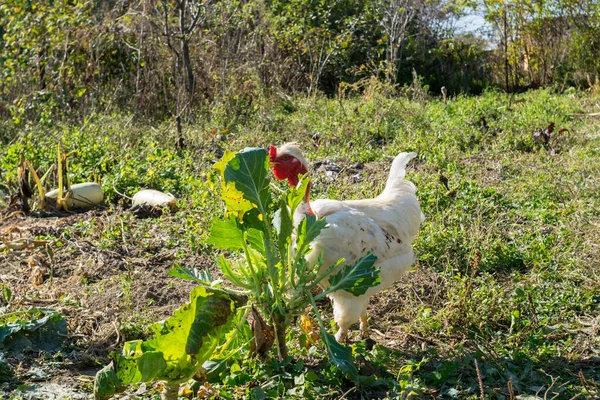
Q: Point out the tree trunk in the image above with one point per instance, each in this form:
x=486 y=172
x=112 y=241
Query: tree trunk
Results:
x=184 y=40
x=42 y=68
x=393 y=52
x=187 y=64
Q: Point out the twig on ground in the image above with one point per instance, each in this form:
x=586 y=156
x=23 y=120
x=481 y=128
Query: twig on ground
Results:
x=347 y=392
x=585 y=383
x=480 y=380
x=114 y=323
x=511 y=390
x=596 y=114
x=551 y=386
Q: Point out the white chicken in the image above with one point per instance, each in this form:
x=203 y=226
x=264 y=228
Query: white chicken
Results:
x=386 y=224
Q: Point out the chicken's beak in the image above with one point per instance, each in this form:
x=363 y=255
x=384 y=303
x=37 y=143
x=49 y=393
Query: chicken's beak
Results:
x=272 y=164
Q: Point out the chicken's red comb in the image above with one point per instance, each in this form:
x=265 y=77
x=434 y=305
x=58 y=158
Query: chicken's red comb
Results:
x=272 y=152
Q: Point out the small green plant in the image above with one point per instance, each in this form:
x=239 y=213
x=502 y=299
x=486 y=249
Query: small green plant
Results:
x=6 y=295
x=33 y=329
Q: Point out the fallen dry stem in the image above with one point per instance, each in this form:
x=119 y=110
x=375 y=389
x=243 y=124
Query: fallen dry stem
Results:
x=22 y=244
x=480 y=380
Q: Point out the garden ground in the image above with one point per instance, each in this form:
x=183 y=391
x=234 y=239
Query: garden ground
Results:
x=503 y=300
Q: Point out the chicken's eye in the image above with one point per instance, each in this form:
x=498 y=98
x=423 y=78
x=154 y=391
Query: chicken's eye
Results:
x=285 y=158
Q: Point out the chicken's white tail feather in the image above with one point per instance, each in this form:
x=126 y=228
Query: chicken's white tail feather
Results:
x=398 y=172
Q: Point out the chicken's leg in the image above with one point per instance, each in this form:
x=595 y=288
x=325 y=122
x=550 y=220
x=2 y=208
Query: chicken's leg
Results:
x=364 y=326
x=341 y=335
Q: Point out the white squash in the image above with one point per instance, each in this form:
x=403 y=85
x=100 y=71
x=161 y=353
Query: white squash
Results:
x=154 y=198
x=83 y=195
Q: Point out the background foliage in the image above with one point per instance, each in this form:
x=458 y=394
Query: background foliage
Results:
x=188 y=57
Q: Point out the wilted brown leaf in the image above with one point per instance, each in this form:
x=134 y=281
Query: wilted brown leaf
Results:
x=543 y=135
x=206 y=391
x=264 y=334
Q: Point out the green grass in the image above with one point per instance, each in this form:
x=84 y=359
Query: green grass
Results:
x=507 y=273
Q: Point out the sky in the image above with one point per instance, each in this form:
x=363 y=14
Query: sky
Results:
x=470 y=23
x=476 y=24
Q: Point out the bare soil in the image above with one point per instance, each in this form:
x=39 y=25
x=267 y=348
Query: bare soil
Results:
x=88 y=284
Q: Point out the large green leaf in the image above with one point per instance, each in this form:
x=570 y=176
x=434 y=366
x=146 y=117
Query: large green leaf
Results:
x=214 y=312
x=222 y=164
x=35 y=329
x=106 y=382
x=181 y=337
x=180 y=345
x=248 y=171
x=229 y=235
x=340 y=355
x=225 y=234
x=357 y=278
x=254 y=237
x=237 y=276
x=140 y=367
x=296 y=194
x=234 y=199
x=253 y=219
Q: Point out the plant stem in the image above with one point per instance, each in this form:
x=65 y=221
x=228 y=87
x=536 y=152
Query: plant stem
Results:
x=279 y=326
x=317 y=314
x=269 y=245
x=325 y=275
x=291 y=270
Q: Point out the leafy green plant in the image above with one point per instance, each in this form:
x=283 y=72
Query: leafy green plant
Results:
x=532 y=216
x=35 y=329
x=180 y=345
x=6 y=295
x=271 y=269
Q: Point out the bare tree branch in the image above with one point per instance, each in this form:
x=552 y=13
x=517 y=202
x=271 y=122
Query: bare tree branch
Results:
x=396 y=16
